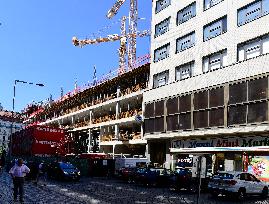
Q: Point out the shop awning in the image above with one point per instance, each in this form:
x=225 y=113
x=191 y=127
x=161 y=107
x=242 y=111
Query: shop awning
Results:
x=219 y=149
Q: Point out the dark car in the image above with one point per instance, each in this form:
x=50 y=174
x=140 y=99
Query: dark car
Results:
x=127 y=174
x=63 y=171
x=182 y=179
x=153 y=176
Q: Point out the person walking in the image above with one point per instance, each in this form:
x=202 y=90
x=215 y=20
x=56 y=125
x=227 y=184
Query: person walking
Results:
x=18 y=172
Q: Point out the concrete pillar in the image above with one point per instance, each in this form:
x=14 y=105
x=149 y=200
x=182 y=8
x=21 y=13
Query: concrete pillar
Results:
x=89 y=141
x=117 y=110
x=117 y=132
x=91 y=116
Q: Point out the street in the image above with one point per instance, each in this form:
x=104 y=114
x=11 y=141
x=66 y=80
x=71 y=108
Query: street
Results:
x=104 y=191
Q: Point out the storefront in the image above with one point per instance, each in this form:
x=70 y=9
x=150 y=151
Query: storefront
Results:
x=232 y=153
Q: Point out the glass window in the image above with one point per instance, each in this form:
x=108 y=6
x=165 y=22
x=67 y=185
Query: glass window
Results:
x=184 y=103
x=162 y=4
x=149 y=125
x=257 y=112
x=257 y=89
x=216 y=97
x=172 y=105
x=238 y=93
x=159 y=108
x=185 y=42
x=159 y=124
x=209 y=3
x=200 y=119
x=253 y=48
x=186 y=13
x=162 y=27
x=149 y=110
x=161 y=53
x=215 y=61
x=160 y=79
x=237 y=114
x=184 y=121
x=216 y=117
x=201 y=100
x=184 y=71
x=172 y=122
x=215 y=29
x=252 y=12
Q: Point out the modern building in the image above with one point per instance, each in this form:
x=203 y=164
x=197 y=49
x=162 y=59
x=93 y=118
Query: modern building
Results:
x=208 y=85
x=105 y=117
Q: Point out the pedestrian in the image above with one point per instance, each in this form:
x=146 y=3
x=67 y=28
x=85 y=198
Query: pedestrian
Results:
x=18 y=172
x=42 y=172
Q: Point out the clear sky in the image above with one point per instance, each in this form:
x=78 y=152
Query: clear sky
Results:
x=36 y=46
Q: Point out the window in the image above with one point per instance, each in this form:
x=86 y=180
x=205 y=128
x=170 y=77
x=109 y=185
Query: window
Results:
x=215 y=61
x=184 y=71
x=253 y=48
x=257 y=112
x=237 y=114
x=258 y=89
x=172 y=122
x=185 y=42
x=162 y=27
x=215 y=28
x=209 y=3
x=238 y=93
x=159 y=124
x=216 y=97
x=172 y=105
x=186 y=13
x=252 y=11
x=160 y=79
x=185 y=103
x=159 y=108
x=216 y=117
x=149 y=125
x=184 y=121
x=162 y=4
x=161 y=53
x=201 y=100
x=200 y=119
x=149 y=110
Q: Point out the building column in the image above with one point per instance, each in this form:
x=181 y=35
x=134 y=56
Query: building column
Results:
x=117 y=110
x=89 y=141
x=117 y=132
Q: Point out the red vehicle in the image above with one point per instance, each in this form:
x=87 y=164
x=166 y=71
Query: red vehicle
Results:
x=38 y=141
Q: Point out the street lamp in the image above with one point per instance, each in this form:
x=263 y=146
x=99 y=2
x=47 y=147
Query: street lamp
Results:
x=13 y=105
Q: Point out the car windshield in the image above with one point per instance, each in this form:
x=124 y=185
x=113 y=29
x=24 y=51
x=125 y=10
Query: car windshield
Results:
x=66 y=166
x=224 y=176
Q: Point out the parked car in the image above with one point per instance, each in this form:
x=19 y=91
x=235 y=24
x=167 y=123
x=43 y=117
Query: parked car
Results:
x=63 y=171
x=127 y=174
x=153 y=176
x=238 y=184
x=182 y=179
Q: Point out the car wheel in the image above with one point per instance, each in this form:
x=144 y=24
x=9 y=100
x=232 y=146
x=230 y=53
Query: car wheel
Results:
x=264 y=192
x=241 y=194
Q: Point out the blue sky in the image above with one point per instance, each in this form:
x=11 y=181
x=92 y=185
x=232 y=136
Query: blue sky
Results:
x=35 y=45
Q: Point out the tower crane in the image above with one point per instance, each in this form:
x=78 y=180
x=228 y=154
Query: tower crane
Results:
x=124 y=38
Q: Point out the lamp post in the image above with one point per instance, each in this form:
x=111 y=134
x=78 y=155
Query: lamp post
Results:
x=13 y=106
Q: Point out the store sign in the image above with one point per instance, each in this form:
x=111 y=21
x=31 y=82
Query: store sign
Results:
x=252 y=141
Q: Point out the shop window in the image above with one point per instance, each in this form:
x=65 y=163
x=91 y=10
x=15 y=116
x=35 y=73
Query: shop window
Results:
x=185 y=103
x=257 y=89
x=149 y=125
x=162 y=27
x=252 y=12
x=201 y=100
x=159 y=124
x=162 y=4
x=253 y=48
x=159 y=108
x=184 y=71
x=215 y=28
x=172 y=122
x=185 y=42
x=200 y=119
x=237 y=115
x=215 y=61
x=216 y=117
x=172 y=105
x=149 y=110
x=238 y=93
x=216 y=97
x=184 y=121
x=209 y=3
x=186 y=13
x=257 y=112
x=161 y=52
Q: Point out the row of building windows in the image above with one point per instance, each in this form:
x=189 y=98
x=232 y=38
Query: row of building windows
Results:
x=162 y=4
x=246 y=14
x=252 y=48
x=247 y=103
